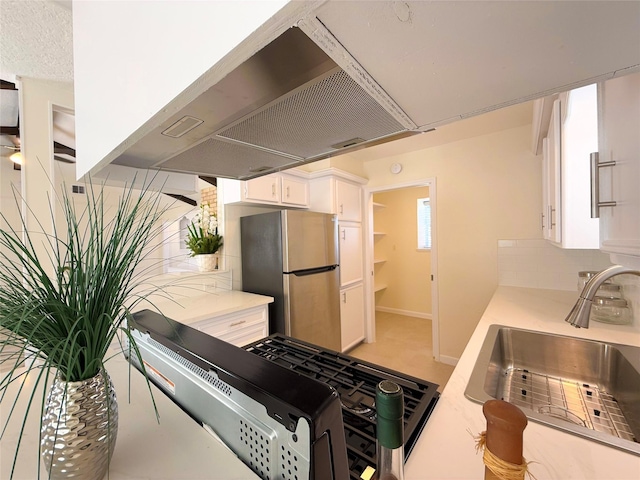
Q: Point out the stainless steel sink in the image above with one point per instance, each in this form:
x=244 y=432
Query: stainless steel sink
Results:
x=584 y=387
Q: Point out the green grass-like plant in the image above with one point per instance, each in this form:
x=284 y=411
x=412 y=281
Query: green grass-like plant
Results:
x=66 y=307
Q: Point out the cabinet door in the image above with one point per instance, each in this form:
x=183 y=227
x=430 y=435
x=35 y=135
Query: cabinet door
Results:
x=620 y=142
x=553 y=169
x=352 y=316
x=348 y=201
x=350 y=254
x=295 y=191
x=263 y=189
x=546 y=179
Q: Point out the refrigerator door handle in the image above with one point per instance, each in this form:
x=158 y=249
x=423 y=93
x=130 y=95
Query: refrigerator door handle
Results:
x=313 y=271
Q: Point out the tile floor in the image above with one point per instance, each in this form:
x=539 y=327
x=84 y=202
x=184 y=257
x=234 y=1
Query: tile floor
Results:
x=404 y=344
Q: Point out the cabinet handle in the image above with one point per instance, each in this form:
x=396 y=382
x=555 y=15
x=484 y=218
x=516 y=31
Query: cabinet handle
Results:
x=550 y=217
x=344 y=233
x=595 y=184
x=235 y=324
x=344 y=297
x=341 y=209
x=542 y=215
x=273 y=189
x=288 y=191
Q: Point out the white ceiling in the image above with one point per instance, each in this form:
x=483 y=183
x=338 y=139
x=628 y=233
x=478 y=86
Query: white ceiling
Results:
x=36 y=40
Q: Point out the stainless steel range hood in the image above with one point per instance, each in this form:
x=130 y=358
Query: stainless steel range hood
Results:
x=287 y=105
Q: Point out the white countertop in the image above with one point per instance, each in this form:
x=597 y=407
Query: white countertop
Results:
x=446 y=448
x=178 y=448
x=192 y=309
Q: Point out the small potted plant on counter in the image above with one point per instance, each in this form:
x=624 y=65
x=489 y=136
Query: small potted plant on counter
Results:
x=203 y=239
x=64 y=299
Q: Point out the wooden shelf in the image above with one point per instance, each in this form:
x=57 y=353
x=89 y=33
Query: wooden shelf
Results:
x=378 y=205
x=380 y=260
x=379 y=233
x=378 y=288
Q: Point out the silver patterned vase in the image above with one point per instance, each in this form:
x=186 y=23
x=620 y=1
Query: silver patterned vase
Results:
x=79 y=428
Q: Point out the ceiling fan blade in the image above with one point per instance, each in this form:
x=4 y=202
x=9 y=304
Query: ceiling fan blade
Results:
x=63 y=160
x=182 y=198
x=60 y=148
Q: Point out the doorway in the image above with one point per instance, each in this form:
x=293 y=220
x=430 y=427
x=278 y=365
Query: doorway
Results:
x=402 y=290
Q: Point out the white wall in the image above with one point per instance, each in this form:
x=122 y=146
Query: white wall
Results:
x=37 y=100
x=489 y=188
x=9 y=201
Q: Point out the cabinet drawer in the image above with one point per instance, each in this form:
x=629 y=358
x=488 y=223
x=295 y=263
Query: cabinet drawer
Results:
x=245 y=335
x=235 y=321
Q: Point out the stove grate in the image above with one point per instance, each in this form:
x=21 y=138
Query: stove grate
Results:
x=355 y=381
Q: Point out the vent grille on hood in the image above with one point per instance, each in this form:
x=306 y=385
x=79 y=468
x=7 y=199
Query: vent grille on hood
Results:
x=309 y=121
x=228 y=159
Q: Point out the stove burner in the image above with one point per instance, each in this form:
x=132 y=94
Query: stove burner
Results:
x=357 y=409
x=355 y=381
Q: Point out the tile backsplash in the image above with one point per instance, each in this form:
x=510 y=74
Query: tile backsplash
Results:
x=536 y=263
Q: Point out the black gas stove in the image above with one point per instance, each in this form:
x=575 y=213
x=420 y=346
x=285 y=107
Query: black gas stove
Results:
x=355 y=381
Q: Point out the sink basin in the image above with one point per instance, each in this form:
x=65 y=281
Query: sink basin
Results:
x=585 y=387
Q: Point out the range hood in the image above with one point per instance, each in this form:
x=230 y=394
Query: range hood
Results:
x=325 y=77
x=287 y=105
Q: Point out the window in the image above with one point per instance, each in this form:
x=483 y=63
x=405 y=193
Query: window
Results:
x=424 y=223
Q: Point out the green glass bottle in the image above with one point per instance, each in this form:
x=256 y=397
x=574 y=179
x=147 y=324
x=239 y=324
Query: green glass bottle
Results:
x=390 y=431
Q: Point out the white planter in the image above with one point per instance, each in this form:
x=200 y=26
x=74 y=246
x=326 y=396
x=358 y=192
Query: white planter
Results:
x=208 y=262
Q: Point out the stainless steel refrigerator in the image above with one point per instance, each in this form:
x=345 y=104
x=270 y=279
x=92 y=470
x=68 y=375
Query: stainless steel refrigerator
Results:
x=292 y=255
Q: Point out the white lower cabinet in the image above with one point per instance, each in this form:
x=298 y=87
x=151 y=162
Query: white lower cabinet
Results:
x=239 y=328
x=352 y=316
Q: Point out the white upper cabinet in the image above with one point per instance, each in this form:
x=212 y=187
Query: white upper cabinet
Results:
x=338 y=192
x=263 y=189
x=283 y=189
x=294 y=191
x=571 y=137
x=619 y=101
x=348 y=201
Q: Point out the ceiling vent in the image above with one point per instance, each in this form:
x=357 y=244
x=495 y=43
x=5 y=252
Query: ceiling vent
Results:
x=182 y=126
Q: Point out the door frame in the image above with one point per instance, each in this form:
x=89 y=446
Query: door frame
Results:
x=370 y=326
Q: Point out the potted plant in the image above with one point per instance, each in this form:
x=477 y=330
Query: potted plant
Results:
x=64 y=299
x=203 y=239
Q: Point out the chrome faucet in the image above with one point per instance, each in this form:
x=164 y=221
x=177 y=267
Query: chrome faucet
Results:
x=579 y=314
